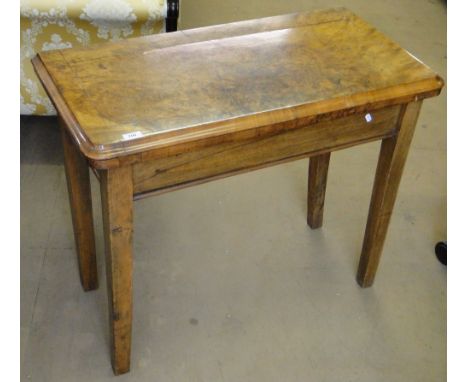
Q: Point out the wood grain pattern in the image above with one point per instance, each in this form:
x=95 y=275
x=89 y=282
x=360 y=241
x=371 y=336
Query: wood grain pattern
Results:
x=232 y=157
x=317 y=185
x=117 y=213
x=260 y=73
x=392 y=159
x=79 y=192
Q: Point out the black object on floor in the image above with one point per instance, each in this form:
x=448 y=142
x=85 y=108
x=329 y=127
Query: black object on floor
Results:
x=172 y=15
x=441 y=251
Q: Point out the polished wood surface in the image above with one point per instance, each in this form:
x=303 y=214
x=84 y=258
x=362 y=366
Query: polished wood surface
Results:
x=257 y=73
x=392 y=160
x=117 y=216
x=79 y=192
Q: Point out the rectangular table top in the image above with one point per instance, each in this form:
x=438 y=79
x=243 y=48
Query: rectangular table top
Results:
x=138 y=94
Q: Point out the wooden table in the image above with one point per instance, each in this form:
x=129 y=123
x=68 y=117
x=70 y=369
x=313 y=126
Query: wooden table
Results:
x=155 y=114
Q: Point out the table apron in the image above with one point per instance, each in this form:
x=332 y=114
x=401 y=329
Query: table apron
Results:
x=230 y=158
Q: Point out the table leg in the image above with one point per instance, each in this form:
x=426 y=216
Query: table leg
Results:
x=79 y=192
x=318 y=171
x=392 y=159
x=117 y=213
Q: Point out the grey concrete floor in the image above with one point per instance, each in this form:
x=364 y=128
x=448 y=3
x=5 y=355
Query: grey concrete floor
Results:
x=230 y=284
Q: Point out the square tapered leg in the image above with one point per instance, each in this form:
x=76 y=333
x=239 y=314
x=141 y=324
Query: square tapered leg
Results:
x=117 y=213
x=318 y=171
x=392 y=158
x=79 y=192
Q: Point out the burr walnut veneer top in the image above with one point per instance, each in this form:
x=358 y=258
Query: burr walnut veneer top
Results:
x=139 y=94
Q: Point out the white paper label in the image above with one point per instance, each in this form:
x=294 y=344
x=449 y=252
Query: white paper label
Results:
x=135 y=134
x=368 y=117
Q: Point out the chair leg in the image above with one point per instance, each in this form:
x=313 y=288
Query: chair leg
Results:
x=172 y=15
